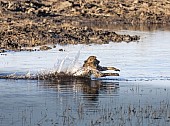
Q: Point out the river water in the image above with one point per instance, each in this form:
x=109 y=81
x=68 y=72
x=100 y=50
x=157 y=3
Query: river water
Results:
x=139 y=96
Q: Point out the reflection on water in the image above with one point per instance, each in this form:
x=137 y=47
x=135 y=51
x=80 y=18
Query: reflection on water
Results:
x=31 y=102
x=90 y=89
x=83 y=102
x=130 y=27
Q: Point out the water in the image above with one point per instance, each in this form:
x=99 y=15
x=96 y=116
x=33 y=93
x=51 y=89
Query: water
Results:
x=140 y=96
x=147 y=59
x=30 y=102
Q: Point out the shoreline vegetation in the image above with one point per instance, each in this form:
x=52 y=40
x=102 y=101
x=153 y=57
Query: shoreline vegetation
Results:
x=30 y=23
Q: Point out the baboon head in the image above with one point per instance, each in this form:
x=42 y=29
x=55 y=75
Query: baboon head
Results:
x=92 y=62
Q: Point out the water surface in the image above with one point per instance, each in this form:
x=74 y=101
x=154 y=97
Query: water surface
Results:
x=147 y=59
x=140 y=96
x=77 y=102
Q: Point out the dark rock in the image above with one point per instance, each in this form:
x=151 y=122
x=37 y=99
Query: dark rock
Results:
x=89 y=5
x=2 y=50
x=61 y=50
x=54 y=46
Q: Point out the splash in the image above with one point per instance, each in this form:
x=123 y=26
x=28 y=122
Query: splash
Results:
x=62 y=67
x=74 y=66
x=68 y=65
x=61 y=64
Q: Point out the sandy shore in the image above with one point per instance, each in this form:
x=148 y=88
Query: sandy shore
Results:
x=32 y=23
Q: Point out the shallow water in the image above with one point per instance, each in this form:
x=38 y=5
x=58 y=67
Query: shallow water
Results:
x=140 y=96
x=77 y=102
x=147 y=59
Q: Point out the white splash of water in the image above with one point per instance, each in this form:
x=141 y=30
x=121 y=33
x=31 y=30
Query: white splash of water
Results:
x=28 y=74
x=68 y=65
x=74 y=67
x=61 y=64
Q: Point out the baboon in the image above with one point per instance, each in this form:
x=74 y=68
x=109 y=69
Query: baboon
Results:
x=91 y=67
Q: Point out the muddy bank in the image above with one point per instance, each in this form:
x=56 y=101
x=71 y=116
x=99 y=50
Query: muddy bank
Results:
x=30 y=36
x=29 y=23
x=131 y=11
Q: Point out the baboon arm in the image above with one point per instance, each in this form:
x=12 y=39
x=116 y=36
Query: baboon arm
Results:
x=107 y=68
x=112 y=68
x=109 y=74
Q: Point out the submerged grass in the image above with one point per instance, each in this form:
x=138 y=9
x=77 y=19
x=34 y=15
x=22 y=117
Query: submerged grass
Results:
x=122 y=115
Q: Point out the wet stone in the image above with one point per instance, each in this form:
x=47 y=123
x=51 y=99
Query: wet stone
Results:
x=2 y=51
x=61 y=50
x=43 y=48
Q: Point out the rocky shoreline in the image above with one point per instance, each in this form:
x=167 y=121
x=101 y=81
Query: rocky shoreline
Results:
x=30 y=23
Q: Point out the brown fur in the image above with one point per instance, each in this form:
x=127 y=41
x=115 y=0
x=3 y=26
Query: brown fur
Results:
x=92 y=63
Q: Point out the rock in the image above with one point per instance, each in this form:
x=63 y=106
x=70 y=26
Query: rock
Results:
x=89 y=5
x=136 y=1
x=61 y=50
x=127 y=38
x=63 y=5
x=2 y=50
x=43 y=48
